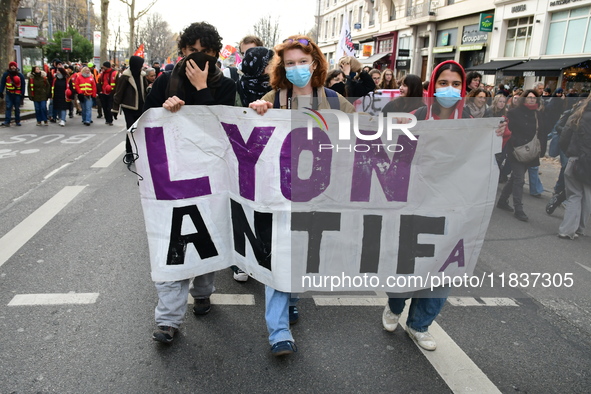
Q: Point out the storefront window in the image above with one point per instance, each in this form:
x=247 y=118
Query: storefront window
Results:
x=569 y=32
x=385 y=46
x=519 y=32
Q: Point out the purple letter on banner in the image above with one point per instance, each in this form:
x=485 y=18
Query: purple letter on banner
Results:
x=248 y=154
x=302 y=190
x=394 y=176
x=164 y=188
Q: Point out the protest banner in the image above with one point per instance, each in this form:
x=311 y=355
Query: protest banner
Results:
x=302 y=194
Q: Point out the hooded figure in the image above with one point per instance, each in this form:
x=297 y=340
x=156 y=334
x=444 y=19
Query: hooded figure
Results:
x=448 y=97
x=254 y=82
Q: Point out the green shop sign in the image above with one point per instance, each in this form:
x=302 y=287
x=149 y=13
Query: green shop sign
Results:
x=486 y=22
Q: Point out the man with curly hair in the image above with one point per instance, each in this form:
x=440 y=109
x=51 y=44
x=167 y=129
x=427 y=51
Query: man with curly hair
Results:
x=195 y=80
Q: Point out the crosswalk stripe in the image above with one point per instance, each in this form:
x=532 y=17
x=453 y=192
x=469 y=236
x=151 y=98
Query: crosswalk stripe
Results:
x=12 y=241
x=110 y=157
x=229 y=299
x=349 y=301
x=486 y=301
x=53 y=299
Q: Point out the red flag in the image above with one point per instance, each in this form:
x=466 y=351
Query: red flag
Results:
x=140 y=51
x=168 y=61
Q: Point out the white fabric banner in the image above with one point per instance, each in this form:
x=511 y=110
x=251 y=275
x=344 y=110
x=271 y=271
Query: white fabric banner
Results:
x=224 y=186
x=345 y=47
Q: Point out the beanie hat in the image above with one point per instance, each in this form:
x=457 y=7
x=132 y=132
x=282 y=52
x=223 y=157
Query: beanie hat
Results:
x=107 y=64
x=12 y=64
x=90 y=64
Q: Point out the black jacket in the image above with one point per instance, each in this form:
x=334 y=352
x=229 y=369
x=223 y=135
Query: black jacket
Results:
x=580 y=142
x=224 y=93
x=522 y=123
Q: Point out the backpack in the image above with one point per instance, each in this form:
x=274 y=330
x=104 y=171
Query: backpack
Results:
x=331 y=96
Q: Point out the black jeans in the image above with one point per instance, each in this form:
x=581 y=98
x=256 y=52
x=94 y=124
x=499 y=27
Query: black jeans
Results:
x=107 y=104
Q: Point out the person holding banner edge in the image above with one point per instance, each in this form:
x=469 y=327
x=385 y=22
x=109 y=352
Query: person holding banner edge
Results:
x=444 y=100
x=298 y=75
x=195 y=80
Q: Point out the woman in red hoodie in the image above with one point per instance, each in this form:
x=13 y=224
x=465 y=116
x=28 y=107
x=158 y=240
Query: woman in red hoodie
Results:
x=444 y=100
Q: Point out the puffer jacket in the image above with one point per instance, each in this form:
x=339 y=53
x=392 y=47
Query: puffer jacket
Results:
x=39 y=88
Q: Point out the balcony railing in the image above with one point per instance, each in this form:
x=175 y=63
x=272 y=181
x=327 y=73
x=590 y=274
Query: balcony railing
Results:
x=422 y=10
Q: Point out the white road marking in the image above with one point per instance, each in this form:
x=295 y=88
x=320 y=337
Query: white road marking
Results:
x=229 y=299
x=350 y=301
x=110 y=157
x=55 y=171
x=53 y=299
x=486 y=301
x=453 y=365
x=584 y=266
x=12 y=241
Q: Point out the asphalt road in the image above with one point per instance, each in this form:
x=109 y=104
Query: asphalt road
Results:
x=525 y=339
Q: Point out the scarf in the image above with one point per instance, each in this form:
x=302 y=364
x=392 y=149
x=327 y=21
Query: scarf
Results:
x=180 y=86
x=254 y=83
x=474 y=110
x=531 y=106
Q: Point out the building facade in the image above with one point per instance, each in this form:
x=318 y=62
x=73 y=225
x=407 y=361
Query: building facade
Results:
x=518 y=43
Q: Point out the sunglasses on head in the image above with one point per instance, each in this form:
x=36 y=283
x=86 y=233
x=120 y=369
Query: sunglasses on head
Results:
x=302 y=41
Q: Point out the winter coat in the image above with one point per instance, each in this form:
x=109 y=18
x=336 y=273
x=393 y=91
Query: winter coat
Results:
x=39 y=89
x=127 y=92
x=522 y=123
x=85 y=86
x=7 y=83
x=60 y=101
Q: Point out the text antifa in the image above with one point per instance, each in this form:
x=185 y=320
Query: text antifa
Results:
x=393 y=174
x=315 y=224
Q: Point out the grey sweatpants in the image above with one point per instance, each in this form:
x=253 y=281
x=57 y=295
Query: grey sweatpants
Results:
x=172 y=298
x=578 y=203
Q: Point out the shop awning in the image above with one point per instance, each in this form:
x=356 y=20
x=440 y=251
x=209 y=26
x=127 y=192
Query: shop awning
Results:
x=492 y=67
x=545 y=67
x=374 y=58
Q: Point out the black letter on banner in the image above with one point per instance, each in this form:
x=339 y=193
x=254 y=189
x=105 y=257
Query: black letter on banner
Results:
x=370 y=247
x=408 y=248
x=261 y=242
x=178 y=243
x=315 y=223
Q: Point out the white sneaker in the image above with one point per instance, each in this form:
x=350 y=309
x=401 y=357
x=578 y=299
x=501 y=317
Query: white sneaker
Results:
x=423 y=339
x=62 y=123
x=389 y=319
x=240 y=276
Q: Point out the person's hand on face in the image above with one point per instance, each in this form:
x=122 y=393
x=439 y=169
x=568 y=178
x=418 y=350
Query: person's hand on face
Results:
x=196 y=76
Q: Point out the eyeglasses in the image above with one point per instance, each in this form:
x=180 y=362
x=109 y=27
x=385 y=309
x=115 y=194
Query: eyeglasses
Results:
x=302 y=41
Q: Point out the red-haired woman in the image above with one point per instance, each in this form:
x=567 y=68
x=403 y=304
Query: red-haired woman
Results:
x=298 y=75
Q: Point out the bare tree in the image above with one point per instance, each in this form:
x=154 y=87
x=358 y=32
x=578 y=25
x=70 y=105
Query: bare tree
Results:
x=159 y=40
x=7 y=29
x=133 y=17
x=267 y=30
x=64 y=14
x=104 y=29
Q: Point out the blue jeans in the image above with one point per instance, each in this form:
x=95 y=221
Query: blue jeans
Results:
x=41 y=110
x=424 y=307
x=86 y=104
x=535 y=185
x=13 y=100
x=62 y=114
x=277 y=305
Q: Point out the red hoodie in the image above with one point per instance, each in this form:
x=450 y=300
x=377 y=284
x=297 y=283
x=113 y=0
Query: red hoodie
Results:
x=430 y=97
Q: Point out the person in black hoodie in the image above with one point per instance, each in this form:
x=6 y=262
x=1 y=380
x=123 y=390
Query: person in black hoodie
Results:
x=130 y=95
x=195 y=80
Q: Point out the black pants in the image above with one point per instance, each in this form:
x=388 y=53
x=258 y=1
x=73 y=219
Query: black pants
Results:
x=131 y=117
x=107 y=104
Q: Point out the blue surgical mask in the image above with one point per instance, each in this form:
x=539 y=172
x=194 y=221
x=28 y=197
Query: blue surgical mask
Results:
x=299 y=75
x=448 y=96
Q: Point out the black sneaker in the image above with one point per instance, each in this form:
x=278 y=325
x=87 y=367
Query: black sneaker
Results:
x=99 y=116
x=504 y=205
x=555 y=202
x=283 y=348
x=202 y=306
x=520 y=215
x=294 y=314
x=164 y=334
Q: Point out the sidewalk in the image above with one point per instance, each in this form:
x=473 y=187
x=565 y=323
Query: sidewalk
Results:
x=27 y=111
